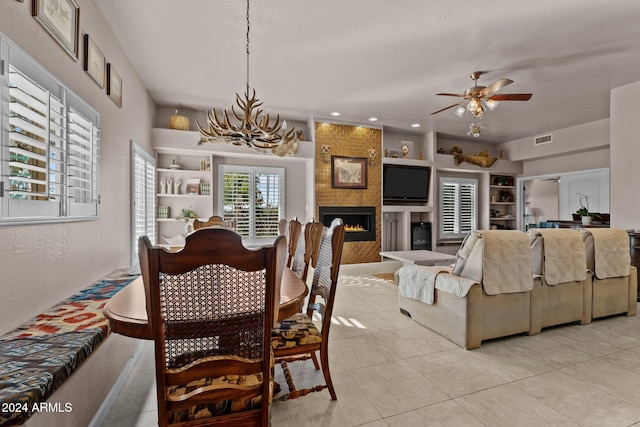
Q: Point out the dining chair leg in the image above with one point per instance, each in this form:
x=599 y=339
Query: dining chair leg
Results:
x=324 y=359
x=315 y=360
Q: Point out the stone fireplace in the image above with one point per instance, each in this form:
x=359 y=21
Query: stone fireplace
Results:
x=359 y=221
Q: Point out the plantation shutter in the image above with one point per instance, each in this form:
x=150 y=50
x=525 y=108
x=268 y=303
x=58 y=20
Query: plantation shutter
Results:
x=458 y=207
x=144 y=199
x=82 y=165
x=237 y=201
x=254 y=199
x=36 y=143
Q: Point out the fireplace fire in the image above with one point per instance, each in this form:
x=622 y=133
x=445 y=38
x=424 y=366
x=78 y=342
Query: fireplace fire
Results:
x=359 y=221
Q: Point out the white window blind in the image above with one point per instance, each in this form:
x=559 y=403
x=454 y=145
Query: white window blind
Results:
x=458 y=207
x=50 y=149
x=143 y=181
x=254 y=198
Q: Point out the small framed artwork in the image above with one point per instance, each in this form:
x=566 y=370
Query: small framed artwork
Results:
x=93 y=61
x=114 y=85
x=348 y=172
x=61 y=19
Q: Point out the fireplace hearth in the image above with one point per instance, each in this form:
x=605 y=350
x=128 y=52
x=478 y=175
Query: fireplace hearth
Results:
x=359 y=221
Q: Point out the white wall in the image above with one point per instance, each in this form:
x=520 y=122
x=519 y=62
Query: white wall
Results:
x=43 y=264
x=575 y=139
x=542 y=197
x=625 y=150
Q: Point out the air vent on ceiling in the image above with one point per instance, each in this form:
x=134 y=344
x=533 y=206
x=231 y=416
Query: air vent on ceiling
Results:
x=542 y=139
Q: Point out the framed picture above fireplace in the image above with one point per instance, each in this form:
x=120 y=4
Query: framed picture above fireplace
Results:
x=348 y=172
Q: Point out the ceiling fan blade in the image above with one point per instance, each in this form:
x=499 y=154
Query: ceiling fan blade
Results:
x=446 y=108
x=452 y=94
x=495 y=86
x=511 y=97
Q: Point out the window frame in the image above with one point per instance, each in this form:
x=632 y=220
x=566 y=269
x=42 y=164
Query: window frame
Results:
x=459 y=233
x=72 y=180
x=253 y=171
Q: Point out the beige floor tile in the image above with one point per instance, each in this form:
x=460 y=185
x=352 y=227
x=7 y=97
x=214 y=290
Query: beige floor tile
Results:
x=415 y=341
x=459 y=372
x=579 y=401
x=589 y=339
x=508 y=406
x=608 y=377
x=140 y=419
x=627 y=359
x=396 y=387
x=137 y=395
x=445 y=414
x=359 y=352
x=317 y=409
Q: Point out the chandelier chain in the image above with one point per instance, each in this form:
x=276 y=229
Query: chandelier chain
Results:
x=248 y=27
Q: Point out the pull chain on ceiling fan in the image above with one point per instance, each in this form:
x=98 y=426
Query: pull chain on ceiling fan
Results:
x=478 y=98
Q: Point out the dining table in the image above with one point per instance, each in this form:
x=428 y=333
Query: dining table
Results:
x=127 y=312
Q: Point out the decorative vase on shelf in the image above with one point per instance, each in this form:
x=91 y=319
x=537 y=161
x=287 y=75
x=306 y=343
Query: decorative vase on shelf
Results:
x=586 y=220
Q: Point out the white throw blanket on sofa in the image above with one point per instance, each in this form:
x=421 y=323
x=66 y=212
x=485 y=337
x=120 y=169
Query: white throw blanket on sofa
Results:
x=419 y=282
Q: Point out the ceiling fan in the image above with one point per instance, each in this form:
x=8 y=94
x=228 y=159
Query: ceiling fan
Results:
x=479 y=97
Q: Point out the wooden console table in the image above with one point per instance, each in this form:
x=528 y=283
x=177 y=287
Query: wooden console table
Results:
x=420 y=257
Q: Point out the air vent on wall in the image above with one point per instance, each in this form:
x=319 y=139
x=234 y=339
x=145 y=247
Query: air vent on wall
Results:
x=542 y=139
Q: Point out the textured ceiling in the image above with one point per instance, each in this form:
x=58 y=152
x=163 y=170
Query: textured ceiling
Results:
x=387 y=58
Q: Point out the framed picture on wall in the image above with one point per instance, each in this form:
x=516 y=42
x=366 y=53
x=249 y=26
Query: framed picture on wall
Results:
x=348 y=172
x=114 y=85
x=61 y=19
x=93 y=61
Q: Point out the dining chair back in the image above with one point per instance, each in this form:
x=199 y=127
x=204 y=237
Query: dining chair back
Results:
x=298 y=338
x=214 y=221
x=211 y=308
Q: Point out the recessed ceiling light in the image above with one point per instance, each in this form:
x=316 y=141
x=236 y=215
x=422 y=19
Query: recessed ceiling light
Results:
x=415 y=125
x=373 y=119
x=335 y=114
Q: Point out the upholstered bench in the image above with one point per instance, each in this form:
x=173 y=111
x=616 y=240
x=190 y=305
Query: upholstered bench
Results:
x=37 y=357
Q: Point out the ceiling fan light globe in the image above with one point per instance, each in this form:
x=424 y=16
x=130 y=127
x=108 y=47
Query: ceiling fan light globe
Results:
x=460 y=111
x=492 y=104
x=473 y=105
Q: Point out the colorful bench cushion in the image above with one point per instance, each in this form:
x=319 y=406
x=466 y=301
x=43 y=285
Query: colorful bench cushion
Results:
x=38 y=356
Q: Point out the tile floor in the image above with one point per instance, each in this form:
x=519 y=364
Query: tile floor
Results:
x=390 y=371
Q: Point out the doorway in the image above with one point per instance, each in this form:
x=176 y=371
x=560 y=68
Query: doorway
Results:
x=555 y=197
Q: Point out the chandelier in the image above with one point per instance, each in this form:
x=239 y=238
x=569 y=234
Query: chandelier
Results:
x=252 y=127
x=474 y=129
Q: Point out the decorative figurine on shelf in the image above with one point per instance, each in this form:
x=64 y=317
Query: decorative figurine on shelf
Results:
x=373 y=155
x=176 y=186
x=163 y=186
x=420 y=156
x=386 y=152
x=300 y=135
x=405 y=151
x=501 y=155
x=169 y=186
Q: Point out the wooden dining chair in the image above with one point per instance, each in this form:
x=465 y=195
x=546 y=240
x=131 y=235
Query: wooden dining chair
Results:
x=302 y=250
x=298 y=338
x=211 y=309
x=214 y=221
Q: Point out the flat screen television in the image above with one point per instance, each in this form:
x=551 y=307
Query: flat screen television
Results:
x=405 y=183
